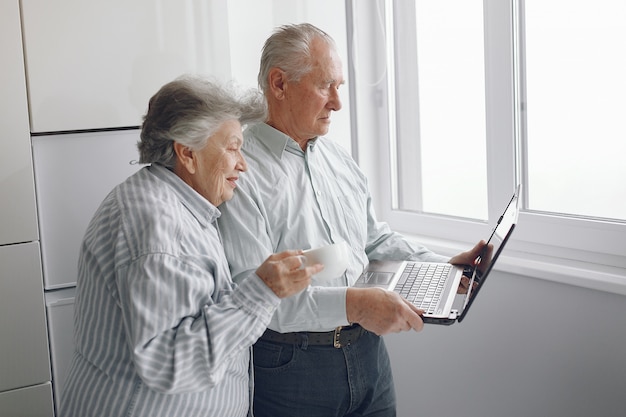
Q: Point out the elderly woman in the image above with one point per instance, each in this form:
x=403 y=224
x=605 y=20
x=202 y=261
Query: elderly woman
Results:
x=160 y=328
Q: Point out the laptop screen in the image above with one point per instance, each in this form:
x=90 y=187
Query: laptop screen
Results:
x=499 y=236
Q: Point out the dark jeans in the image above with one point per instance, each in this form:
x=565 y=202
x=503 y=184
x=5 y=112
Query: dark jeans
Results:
x=311 y=381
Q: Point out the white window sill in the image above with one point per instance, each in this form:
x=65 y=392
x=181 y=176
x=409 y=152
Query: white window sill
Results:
x=577 y=273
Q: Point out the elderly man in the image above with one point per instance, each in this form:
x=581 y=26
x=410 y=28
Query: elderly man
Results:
x=322 y=354
x=160 y=328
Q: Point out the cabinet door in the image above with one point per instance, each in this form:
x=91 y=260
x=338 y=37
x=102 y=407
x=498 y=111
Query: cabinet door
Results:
x=60 y=309
x=18 y=222
x=27 y=402
x=74 y=173
x=95 y=64
x=24 y=358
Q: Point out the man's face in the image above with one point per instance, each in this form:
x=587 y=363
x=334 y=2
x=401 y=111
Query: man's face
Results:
x=310 y=101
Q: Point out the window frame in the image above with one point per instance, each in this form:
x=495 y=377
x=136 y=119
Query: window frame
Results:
x=578 y=251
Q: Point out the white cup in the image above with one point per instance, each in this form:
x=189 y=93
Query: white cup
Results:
x=334 y=257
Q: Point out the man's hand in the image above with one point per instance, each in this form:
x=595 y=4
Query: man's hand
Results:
x=477 y=257
x=284 y=273
x=381 y=311
x=468 y=257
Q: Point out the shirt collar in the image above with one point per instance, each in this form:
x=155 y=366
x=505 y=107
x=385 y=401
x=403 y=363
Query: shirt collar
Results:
x=201 y=208
x=277 y=141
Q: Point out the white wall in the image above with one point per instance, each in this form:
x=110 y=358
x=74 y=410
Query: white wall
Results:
x=528 y=348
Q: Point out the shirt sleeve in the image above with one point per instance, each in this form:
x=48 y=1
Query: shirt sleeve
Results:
x=375 y=238
x=383 y=243
x=181 y=338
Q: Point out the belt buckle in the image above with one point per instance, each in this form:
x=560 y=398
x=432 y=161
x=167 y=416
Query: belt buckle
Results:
x=336 y=336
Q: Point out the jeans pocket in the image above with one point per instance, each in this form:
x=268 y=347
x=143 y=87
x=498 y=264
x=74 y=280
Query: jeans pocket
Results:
x=272 y=356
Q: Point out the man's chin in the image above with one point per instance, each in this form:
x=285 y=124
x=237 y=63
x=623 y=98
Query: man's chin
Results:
x=323 y=129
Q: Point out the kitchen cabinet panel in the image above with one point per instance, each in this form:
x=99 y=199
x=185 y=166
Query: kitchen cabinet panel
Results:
x=60 y=309
x=95 y=64
x=24 y=357
x=74 y=173
x=18 y=222
x=27 y=402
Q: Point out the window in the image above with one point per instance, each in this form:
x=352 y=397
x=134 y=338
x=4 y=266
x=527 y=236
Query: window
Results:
x=261 y=17
x=482 y=95
x=441 y=109
x=573 y=106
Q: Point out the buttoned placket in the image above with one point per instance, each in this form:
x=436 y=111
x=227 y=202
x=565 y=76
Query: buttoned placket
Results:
x=323 y=200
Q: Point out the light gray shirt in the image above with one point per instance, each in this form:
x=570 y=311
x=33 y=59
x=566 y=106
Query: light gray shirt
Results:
x=290 y=199
x=160 y=328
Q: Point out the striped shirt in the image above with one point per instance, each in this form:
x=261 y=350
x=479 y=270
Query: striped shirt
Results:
x=290 y=199
x=160 y=329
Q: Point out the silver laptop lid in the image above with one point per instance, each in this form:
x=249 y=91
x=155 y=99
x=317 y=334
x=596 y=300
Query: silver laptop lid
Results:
x=498 y=239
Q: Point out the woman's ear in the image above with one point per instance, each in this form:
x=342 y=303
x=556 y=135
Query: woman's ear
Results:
x=186 y=158
x=277 y=79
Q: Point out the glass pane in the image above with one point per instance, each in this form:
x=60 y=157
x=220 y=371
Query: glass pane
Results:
x=451 y=122
x=261 y=17
x=575 y=89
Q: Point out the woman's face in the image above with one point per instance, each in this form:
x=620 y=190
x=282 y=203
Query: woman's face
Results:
x=219 y=163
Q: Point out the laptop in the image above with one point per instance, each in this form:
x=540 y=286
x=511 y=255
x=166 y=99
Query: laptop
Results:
x=433 y=286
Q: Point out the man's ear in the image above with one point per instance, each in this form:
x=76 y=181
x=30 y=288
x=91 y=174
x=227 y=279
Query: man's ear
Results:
x=277 y=79
x=186 y=157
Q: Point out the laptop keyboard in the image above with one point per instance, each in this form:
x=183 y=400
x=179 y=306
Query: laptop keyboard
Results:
x=422 y=284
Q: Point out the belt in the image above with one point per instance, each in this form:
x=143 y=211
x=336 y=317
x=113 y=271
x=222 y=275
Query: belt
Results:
x=338 y=338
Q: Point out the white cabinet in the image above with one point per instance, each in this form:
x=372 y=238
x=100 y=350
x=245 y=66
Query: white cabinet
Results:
x=60 y=308
x=74 y=173
x=18 y=222
x=33 y=401
x=25 y=388
x=95 y=64
x=24 y=358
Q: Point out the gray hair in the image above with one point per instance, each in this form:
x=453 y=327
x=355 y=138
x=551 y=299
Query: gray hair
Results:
x=189 y=110
x=288 y=48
